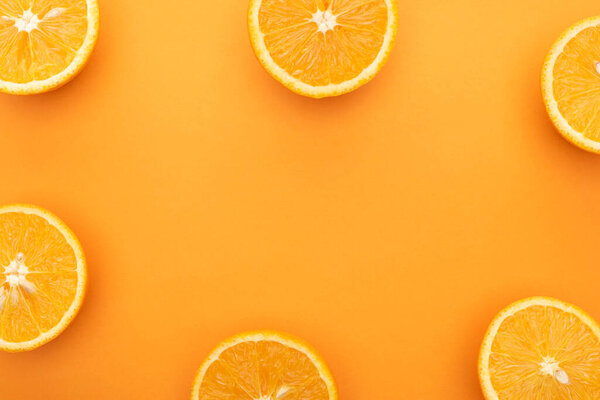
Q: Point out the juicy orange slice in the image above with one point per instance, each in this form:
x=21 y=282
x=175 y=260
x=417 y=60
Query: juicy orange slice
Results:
x=541 y=349
x=571 y=84
x=322 y=48
x=42 y=275
x=44 y=43
x=264 y=365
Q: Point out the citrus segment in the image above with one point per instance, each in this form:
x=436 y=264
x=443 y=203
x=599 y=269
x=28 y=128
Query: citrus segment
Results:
x=541 y=349
x=571 y=84
x=264 y=366
x=322 y=48
x=44 y=43
x=42 y=277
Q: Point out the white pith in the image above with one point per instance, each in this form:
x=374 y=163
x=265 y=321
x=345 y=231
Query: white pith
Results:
x=27 y=22
x=15 y=277
x=325 y=20
x=30 y=21
x=549 y=366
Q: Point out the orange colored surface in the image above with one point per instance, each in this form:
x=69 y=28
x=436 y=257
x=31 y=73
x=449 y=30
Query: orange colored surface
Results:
x=386 y=227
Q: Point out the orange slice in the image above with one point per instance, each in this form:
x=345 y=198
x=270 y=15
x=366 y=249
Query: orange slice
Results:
x=42 y=270
x=264 y=365
x=571 y=84
x=321 y=48
x=44 y=43
x=541 y=349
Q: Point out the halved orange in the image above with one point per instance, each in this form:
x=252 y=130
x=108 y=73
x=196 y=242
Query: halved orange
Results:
x=42 y=275
x=571 y=84
x=321 y=48
x=541 y=349
x=44 y=43
x=264 y=365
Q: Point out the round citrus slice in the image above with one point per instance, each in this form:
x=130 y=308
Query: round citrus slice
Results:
x=571 y=84
x=42 y=270
x=541 y=348
x=44 y=43
x=264 y=365
x=321 y=48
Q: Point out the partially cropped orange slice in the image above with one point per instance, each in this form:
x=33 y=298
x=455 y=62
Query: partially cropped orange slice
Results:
x=42 y=276
x=322 y=48
x=44 y=43
x=541 y=349
x=571 y=84
x=264 y=365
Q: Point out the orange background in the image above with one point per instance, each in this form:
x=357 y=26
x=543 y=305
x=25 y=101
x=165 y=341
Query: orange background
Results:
x=386 y=227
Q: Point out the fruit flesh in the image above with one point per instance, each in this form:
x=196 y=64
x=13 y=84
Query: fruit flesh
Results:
x=576 y=85
x=544 y=353
x=39 y=38
x=38 y=276
x=323 y=42
x=262 y=370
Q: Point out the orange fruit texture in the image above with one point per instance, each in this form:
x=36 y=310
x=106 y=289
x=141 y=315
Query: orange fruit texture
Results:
x=44 y=43
x=571 y=84
x=44 y=277
x=385 y=227
x=321 y=48
x=264 y=365
x=543 y=349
